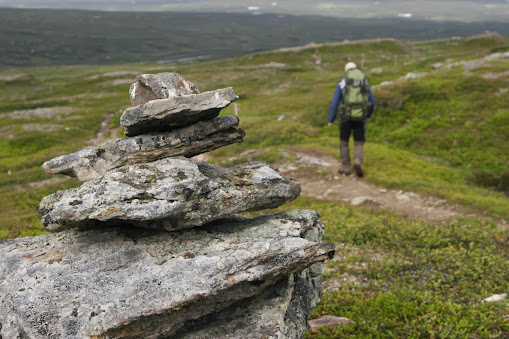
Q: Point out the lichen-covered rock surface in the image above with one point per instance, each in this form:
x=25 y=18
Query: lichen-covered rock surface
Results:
x=93 y=163
x=132 y=283
x=279 y=312
x=171 y=193
x=160 y=86
x=180 y=111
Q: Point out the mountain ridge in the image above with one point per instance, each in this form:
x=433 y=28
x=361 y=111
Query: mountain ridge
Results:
x=71 y=37
x=476 y=10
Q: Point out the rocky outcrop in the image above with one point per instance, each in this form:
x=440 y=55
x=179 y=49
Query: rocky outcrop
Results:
x=280 y=311
x=174 y=112
x=171 y=193
x=127 y=283
x=149 y=246
x=93 y=163
x=160 y=86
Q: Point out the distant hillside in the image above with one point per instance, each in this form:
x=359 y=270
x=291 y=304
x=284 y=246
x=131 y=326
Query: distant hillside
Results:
x=439 y=10
x=70 y=37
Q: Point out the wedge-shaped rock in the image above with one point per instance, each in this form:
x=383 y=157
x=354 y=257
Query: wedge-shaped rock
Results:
x=93 y=163
x=160 y=86
x=281 y=311
x=171 y=193
x=121 y=283
x=174 y=112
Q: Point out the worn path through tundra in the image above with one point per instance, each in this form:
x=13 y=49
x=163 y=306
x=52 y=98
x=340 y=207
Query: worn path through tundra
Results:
x=356 y=191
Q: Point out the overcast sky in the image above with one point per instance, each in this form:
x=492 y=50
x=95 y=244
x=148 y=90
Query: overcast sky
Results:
x=473 y=10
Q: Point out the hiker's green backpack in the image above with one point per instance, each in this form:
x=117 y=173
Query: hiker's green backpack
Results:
x=355 y=103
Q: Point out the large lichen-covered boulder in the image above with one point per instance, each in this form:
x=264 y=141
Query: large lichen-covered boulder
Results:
x=93 y=163
x=132 y=283
x=175 y=112
x=281 y=311
x=171 y=193
x=160 y=86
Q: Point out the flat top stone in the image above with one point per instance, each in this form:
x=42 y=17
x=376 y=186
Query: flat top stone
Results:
x=160 y=86
x=126 y=283
x=174 y=112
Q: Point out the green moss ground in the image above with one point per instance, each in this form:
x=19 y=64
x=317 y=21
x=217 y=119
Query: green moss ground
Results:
x=401 y=278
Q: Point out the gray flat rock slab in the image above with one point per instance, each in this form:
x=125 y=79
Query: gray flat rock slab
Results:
x=159 y=86
x=93 y=163
x=175 y=112
x=171 y=193
x=132 y=283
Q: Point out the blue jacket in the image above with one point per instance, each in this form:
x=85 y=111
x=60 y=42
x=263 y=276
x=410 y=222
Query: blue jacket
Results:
x=338 y=95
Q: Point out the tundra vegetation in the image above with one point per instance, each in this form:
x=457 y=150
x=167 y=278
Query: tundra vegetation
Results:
x=443 y=134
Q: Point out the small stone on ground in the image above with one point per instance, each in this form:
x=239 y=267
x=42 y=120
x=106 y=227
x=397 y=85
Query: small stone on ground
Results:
x=360 y=200
x=314 y=161
x=328 y=320
x=496 y=298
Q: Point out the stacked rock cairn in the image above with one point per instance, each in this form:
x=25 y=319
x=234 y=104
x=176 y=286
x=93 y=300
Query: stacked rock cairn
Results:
x=149 y=246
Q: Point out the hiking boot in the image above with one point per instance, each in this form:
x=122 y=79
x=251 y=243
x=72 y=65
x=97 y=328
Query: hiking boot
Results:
x=345 y=171
x=358 y=170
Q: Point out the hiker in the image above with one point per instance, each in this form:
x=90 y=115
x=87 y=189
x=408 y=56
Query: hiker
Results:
x=356 y=104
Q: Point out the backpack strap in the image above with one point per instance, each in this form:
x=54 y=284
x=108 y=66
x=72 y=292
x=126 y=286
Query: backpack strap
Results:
x=342 y=84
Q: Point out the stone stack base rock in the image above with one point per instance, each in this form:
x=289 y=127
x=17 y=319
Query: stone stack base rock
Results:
x=149 y=246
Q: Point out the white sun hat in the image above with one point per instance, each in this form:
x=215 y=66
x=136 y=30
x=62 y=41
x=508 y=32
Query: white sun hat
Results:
x=349 y=66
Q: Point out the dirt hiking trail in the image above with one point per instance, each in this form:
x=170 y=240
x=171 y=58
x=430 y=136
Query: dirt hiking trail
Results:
x=308 y=167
